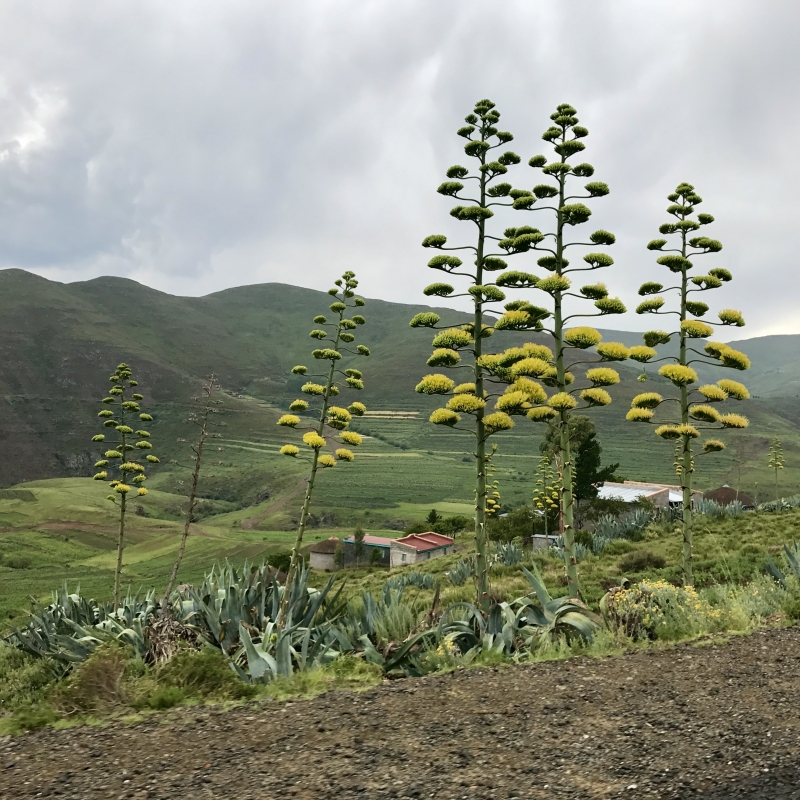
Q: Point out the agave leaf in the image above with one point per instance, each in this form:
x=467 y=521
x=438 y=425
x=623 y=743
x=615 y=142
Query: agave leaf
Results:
x=536 y=581
x=259 y=662
x=776 y=572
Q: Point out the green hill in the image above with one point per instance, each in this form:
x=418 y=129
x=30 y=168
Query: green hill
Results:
x=59 y=342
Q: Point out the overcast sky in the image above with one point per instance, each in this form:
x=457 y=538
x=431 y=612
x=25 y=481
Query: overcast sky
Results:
x=194 y=146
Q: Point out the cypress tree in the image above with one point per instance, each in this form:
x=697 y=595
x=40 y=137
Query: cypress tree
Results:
x=121 y=464
x=561 y=200
x=330 y=420
x=453 y=343
x=692 y=410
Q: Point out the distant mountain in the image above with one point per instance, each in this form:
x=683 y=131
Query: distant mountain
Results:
x=59 y=342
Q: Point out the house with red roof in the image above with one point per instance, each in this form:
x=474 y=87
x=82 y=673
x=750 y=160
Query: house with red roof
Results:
x=375 y=552
x=418 y=547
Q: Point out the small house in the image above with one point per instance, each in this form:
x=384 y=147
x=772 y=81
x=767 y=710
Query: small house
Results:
x=322 y=555
x=418 y=547
x=372 y=544
x=725 y=496
x=661 y=495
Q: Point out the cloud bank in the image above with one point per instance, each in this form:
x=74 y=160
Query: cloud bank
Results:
x=195 y=146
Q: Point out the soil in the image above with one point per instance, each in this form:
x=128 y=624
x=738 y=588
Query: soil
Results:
x=717 y=721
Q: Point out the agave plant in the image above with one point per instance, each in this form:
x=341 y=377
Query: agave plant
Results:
x=792 y=555
x=508 y=554
x=459 y=572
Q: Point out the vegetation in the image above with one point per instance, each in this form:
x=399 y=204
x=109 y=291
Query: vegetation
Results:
x=334 y=418
x=553 y=369
x=469 y=398
x=120 y=462
x=203 y=419
x=777 y=460
x=695 y=406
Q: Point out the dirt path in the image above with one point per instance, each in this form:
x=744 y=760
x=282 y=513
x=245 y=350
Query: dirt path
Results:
x=714 y=722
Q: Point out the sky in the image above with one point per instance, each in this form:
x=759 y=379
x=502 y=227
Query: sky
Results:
x=195 y=146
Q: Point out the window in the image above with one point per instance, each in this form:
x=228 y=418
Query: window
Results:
x=404 y=556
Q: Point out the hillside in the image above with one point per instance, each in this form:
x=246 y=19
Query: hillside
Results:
x=58 y=342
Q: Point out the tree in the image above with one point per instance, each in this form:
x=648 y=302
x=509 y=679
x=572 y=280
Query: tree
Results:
x=433 y=517
x=776 y=460
x=375 y=557
x=120 y=462
x=553 y=369
x=335 y=418
x=204 y=422
x=467 y=338
x=338 y=558
x=695 y=409
x=358 y=544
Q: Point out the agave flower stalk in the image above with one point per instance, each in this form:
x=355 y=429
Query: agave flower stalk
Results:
x=558 y=199
x=692 y=411
x=777 y=461
x=203 y=419
x=339 y=333
x=483 y=193
x=123 y=464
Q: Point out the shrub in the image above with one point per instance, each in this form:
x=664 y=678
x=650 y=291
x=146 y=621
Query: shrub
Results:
x=641 y=560
x=97 y=683
x=203 y=673
x=656 y=610
x=18 y=563
x=23 y=678
x=165 y=697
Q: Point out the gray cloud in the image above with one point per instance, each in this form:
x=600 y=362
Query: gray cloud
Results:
x=199 y=145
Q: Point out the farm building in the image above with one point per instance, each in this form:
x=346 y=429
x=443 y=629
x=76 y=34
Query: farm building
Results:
x=419 y=547
x=322 y=555
x=371 y=544
x=661 y=495
x=725 y=495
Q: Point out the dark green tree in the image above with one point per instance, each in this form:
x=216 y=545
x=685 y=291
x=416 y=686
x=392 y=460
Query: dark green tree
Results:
x=375 y=557
x=433 y=517
x=590 y=475
x=123 y=463
x=331 y=420
x=358 y=544
x=562 y=202
x=692 y=410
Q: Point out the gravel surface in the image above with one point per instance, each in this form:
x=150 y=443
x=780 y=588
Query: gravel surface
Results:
x=718 y=721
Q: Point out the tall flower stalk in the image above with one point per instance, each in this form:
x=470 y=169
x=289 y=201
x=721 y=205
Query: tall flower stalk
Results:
x=338 y=333
x=777 y=460
x=561 y=201
x=121 y=465
x=483 y=193
x=203 y=420
x=692 y=410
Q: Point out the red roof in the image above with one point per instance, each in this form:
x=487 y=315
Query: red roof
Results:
x=425 y=541
x=376 y=541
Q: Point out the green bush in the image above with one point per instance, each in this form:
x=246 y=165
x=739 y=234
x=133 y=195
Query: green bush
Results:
x=165 y=697
x=202 y=674
x=641 y=560
x=96 y=684
x=23 y=679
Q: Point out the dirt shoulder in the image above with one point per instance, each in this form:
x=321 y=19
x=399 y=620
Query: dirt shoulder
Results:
x=715 y=722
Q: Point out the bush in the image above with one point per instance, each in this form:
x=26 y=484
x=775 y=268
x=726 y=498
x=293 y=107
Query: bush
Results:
x=656 y=610
x=18 y=563
x=97 y=683
x=165 y=697
x=203 y=673
x=23 y=678
x=641 y=560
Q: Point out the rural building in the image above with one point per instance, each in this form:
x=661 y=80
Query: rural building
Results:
x=661 y=495
x=371 y=544
x=725 y=495
x=538 y=541
x=419 y=547
x=322 y=555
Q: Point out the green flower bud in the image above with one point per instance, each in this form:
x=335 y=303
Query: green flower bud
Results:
x=101 y=463
x=362 y=350
x=641 y=353
x=613 y=351
x=722 y=274
x=597 y=291
x=651 y=305
x=696 y=308
x=734 y=421
x=320 y=320
x=138 y=397
x=729 y=316
x=109 y=400
x=444 y=357
x=355 y=383
x=704 y=413
x=289 y=450
x=122 y=488
x=498 y=421
x=318 y=334
x=695 y=329
x=714 y=394
x=541 y=414
x=553 y=284
x=110 y=423
x=313 y=388
x=112 y=454
x=145 y=418
x=337 y=308
x=734 y=389
x=289 y=420
x=140 y=479
x=603 y=376
x=296 y=405
x=602 y=237
x=99 y=438
x=358 y=319
x=115 y=390
x=653 y=338
x=357 y=409
x=101 y=476
x=436 y=240
x=343 y=454
x=465 y=403
x=596 y=397
x=639 y=415
x=712 y=445
x=582 y=337
x=152 y=459
x=144 y=445
x=610 y=305
x=105 y=414
x=537 y=162
x=562 y=401
x=124 y=429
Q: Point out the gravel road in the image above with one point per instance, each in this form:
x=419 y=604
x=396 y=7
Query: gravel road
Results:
x=718 y=721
